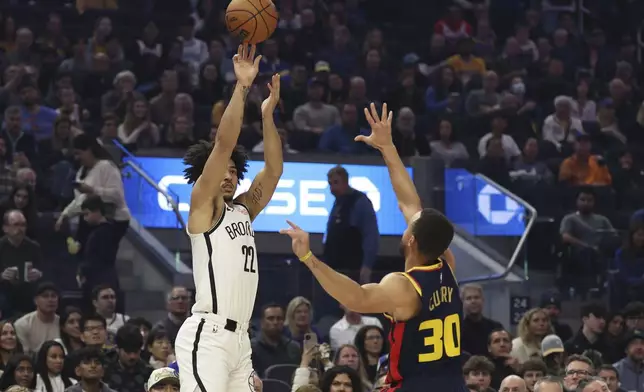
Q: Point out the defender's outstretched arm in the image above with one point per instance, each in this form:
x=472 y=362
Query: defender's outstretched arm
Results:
x=393 y=292
x=380 y=139
x=406 y=193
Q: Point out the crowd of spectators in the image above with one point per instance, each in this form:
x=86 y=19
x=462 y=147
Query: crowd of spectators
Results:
x=543 y=106
x=104 y=349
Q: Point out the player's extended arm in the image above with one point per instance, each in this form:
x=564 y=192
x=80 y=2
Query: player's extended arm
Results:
x=408 y=199
x=380 y=139
x=208 y=186
x=393 y=292
x=263 y=186
x=387 y=296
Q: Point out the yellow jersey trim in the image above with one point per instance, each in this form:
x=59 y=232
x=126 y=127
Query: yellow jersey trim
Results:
x=427 y=268
x=413 y=283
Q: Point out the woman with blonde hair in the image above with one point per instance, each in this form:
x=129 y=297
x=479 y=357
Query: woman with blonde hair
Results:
x=533 y=327
x=137 y=127
x=348 y=355
x=299 y=319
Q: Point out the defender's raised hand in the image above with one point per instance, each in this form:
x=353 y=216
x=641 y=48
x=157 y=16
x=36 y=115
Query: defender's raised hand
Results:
x=246 y=65
x=270 y=103
x=299 y=239
x=380 y=127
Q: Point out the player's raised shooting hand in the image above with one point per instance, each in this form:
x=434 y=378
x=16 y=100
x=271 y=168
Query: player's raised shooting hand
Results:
x=246 y=65
x=299 y=239
x=380 y=127
x=270 y=103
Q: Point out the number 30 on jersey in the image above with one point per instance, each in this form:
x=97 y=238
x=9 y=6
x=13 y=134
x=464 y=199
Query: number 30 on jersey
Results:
x=444 y=338
x=249 y=255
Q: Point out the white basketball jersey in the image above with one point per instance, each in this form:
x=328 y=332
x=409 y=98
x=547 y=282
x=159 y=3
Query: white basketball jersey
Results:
x=224 y=265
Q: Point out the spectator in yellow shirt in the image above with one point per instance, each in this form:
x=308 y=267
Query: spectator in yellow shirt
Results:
x=465 y=64
x=582 y=168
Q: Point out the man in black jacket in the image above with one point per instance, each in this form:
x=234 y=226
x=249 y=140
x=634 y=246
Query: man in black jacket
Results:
x=99 y=253
x=499 y=346
x=552 y=304
x=475 y=328
x=593 y=318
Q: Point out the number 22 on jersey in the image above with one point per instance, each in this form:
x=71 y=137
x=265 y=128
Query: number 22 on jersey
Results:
x=249 y=256
x=444 y=338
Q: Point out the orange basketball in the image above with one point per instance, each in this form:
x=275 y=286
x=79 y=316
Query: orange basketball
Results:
x=253 y=21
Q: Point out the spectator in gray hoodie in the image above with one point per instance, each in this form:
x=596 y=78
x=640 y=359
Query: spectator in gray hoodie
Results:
x=611 y=376
x=89 y=372
x=631 y=368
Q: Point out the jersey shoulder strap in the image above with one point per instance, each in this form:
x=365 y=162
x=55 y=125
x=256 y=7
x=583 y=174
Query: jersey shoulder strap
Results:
x=418 y=275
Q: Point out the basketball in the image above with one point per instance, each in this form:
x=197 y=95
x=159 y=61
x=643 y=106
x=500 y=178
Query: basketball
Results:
x=253 y=21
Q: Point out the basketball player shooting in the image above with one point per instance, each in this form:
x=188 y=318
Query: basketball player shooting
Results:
x=212 y=347
x=423 y=303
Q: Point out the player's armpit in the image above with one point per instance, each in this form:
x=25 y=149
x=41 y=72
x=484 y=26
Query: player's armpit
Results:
x=260 y=192
x=204 y=216
x=392 y=293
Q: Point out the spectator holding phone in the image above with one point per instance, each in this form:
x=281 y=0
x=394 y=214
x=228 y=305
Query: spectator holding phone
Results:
x=306 y=374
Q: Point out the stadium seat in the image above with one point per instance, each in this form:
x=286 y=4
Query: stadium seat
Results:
x=324 y=324
x=271 y=385
x=282 y=372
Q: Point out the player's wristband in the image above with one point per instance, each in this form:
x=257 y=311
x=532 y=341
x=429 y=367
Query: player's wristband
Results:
x=306 y=256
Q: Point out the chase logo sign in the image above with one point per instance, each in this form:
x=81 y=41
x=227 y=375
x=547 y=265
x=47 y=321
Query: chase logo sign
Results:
x=509 y=210
x=302 y=195
x=479 y=207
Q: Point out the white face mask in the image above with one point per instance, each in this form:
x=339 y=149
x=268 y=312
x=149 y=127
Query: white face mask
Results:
x=518 y=88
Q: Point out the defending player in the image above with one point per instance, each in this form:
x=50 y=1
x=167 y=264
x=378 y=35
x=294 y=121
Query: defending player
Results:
x=212 y=347
x=423 y=303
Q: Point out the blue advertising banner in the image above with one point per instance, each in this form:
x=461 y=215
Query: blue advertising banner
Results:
x=479 y=207
x=302 y=195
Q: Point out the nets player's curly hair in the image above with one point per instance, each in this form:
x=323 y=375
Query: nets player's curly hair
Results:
x=197 y=155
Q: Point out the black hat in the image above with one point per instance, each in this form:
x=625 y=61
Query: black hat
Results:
x=315 y=81
x=633 y=335
x=550 y=299
x=633 y=309
x=582 y=137
x=44 y=287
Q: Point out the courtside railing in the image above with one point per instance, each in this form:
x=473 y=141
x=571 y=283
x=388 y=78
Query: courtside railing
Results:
x=135 y=173
x=530 y=216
